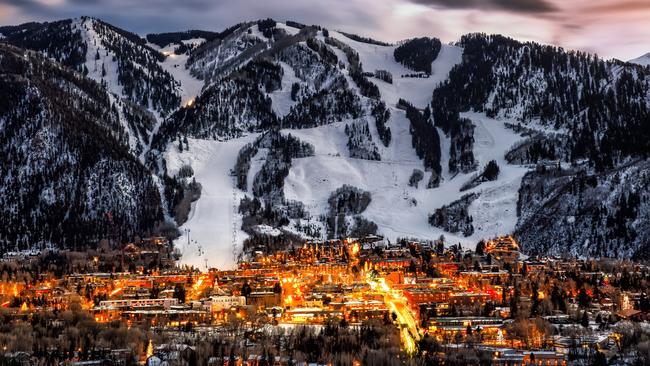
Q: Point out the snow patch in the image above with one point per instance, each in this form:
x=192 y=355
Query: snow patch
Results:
x=281 y=98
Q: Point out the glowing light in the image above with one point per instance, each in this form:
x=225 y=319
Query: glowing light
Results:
x=149 y=349
x=355 y=249
x=198 y=284
x=500 y=338
x=626 y=303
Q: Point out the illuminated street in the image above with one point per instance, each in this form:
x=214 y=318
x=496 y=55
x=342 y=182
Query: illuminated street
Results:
x=410 y=332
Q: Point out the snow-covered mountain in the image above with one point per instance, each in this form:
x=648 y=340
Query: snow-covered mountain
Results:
x=132 y=71
x=292 y=132
x=641 y=60
x=67 y=177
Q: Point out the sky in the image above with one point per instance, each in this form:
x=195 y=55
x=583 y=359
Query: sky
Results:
x=610 y=28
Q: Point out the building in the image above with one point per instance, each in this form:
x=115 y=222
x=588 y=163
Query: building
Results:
x=510 y=357
x=451 y=325
x=165 y=303
x=219 y=303
x=265 y=299
x=631 y=314
x=463 y=299
x=424 y=295
x=503 y=248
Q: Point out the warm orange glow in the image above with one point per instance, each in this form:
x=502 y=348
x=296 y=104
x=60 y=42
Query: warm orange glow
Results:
x=355 y=249
x=149 y=349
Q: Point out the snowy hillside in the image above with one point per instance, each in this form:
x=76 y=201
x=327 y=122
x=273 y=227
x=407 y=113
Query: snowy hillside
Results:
x=213 y=225
x=415 y=90
x=68 y=177
x=350 y=146
x=189 y=87
x=397 y=209
x=267 y=134
x=127 y=65
x=134 y=73
x=641 y=60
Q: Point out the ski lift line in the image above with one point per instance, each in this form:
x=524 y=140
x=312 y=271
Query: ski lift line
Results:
x=234 y=225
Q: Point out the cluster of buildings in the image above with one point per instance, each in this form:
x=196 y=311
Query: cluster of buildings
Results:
x=452 y=295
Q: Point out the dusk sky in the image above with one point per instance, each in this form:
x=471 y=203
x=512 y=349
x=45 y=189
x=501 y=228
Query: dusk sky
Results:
x=610 y=28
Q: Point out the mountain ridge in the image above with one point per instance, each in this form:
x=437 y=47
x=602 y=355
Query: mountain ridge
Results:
x=271 y=89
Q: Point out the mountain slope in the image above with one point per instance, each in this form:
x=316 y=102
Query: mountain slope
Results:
x=577 y=212
x=397 y=209
x=567 y=106
x=578 y=109
x=300 y=132
x=107 y=54
x=68 y=178
x=641 y=60
x=119 y=60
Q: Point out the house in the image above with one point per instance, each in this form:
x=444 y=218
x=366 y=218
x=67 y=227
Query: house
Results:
x=504 y=248
x=580 y=346
x=631 y=314
x=219 y=303
x=265 y=299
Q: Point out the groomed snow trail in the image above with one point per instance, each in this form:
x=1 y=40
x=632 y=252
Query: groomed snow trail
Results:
x=399 y=210
x=213 y=220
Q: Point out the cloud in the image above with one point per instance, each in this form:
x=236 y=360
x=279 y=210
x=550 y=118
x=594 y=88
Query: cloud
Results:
x=25 y=5
x=515 y=6
x=144 y=16
x=152 y=5
x=618 y=7
x=606 y=26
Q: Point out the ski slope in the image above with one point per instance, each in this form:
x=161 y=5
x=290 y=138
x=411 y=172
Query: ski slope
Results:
x=213 y=224
x=400 y=210
x=281 y=101
x=418 y=91
x=189 y=87
x=106 y=58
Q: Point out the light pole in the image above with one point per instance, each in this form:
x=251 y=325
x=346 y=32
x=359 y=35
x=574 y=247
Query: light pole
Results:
x=187 y=232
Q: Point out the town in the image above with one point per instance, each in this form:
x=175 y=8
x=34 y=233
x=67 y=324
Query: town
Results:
x=350 y=301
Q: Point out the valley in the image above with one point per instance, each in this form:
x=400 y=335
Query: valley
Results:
x=278 y=193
